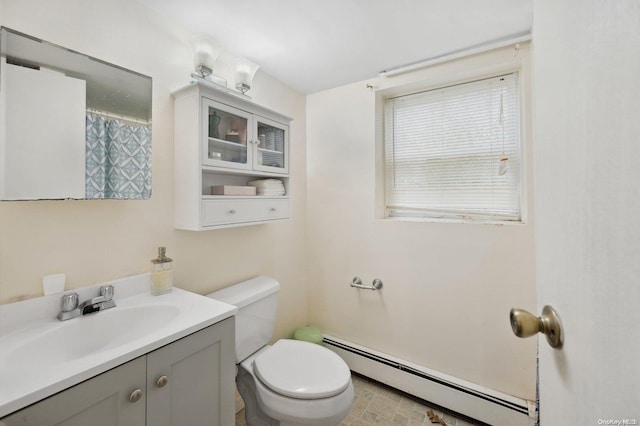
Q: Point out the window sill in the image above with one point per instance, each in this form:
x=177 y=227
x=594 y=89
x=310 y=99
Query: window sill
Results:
x=454 y=220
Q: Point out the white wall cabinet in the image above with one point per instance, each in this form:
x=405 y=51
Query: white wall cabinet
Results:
x=223 y=139
x=188 y=382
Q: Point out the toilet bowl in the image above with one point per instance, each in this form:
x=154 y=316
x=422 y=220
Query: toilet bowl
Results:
x=319 y=395
x=290 y=382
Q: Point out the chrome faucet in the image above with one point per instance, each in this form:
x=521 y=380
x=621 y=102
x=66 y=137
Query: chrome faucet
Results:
x=69 y=307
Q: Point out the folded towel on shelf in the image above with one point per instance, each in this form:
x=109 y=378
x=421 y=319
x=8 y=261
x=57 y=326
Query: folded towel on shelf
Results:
x=276 y=191
x=268 y=187
x=271 y=193
x=267 y=183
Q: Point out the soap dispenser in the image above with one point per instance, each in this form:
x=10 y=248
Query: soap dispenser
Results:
x=161 y=273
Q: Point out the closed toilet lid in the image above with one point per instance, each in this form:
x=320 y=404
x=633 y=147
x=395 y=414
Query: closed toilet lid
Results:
x=302 y=370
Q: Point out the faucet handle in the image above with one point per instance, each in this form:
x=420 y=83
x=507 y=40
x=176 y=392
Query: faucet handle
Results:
x=69 y=302
x=106 y=291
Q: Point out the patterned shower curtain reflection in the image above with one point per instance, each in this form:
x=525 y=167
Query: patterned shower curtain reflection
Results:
x=118 y=158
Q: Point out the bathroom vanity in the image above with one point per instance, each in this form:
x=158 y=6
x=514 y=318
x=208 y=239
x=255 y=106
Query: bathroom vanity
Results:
x=162 y=360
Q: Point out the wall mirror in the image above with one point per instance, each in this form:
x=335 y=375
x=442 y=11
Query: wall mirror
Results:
x=71 y=126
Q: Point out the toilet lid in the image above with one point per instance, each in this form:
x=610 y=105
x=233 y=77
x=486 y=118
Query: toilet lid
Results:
x=302 y=370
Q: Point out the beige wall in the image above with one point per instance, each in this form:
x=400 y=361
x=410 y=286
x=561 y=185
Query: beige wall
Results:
x=96 y=241
x=448 y=287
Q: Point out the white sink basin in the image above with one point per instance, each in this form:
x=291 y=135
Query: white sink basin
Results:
x=40 y=355
x=82 y=336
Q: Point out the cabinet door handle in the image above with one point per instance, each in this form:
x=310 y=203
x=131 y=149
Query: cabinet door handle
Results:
x=232 y=211
x=272 y=209
x=135 y=395
x=162 y=380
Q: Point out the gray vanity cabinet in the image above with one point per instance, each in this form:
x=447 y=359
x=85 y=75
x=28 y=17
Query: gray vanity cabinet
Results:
x=100 y=401
x=192 y=381
x=187 y=382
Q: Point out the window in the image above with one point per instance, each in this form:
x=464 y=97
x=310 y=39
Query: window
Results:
x=454 y=152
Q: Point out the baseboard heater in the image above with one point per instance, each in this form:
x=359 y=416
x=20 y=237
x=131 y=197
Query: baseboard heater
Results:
x=479 y=403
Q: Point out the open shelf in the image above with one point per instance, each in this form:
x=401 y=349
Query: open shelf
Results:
x=216 y=177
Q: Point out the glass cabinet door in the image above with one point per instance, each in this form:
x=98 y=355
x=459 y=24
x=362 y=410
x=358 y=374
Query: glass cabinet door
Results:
x=272 y=148
x=226 y=132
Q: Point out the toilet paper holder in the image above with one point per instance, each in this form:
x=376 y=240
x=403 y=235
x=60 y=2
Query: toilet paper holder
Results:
x=375 y=285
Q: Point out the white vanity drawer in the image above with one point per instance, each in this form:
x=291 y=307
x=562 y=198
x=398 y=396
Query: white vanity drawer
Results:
x=222 y=212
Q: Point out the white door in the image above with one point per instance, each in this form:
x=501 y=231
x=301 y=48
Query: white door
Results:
x=587 y=177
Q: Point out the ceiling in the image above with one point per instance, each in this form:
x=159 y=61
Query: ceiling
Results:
x=313 y=45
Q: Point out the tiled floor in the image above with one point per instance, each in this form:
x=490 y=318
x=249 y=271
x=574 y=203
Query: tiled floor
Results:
x=377 y=404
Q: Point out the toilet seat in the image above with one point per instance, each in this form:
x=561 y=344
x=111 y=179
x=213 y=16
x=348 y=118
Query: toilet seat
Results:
x=302 y=370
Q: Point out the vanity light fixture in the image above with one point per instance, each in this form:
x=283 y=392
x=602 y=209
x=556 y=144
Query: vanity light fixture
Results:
x=205 y=52
x=244 y=70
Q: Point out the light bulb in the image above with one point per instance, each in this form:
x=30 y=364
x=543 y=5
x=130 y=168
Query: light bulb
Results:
x=244 y=72
x=205 y=53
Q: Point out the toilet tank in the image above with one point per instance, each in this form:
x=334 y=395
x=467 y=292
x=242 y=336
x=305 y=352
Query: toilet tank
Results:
x=257 y=301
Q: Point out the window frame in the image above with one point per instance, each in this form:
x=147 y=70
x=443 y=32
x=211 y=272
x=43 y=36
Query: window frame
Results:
x=519 y=66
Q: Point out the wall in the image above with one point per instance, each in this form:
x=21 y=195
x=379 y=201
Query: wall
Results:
x=96 y=241
x=448 y=287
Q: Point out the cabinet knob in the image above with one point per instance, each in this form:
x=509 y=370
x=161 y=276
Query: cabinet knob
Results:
x=272 y=209
x=162 y=380
x=232 y=211
x=135 y=395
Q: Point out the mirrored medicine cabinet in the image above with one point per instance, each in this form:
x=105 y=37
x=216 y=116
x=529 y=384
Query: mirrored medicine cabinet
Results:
x=71 y=126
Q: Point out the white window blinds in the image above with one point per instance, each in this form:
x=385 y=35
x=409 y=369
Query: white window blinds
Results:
x=443 y=151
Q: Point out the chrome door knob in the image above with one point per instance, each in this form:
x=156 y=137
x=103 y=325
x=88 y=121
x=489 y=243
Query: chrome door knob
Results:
x=525 y=324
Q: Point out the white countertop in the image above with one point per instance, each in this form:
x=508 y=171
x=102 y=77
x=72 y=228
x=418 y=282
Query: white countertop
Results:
x=37 y=357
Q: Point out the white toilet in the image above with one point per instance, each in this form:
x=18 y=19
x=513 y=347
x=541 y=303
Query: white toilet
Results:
x=291 y=382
